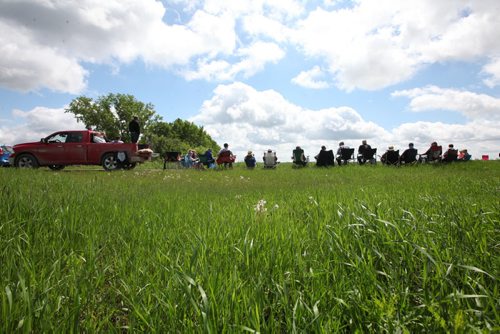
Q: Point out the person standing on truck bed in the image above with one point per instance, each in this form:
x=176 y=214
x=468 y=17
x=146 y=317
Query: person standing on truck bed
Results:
x=135 y=129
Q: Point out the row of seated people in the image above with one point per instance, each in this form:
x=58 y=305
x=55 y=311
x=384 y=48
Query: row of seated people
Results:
x=366 y=154
x=327 y=158
x=433 y=154
x=200 y=161
x=270 y=159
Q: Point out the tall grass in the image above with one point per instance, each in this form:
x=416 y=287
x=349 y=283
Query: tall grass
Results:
x=357 y=248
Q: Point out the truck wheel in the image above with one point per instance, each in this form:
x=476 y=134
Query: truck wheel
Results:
x=56 y=167
x=109 y=162
x=26 y=161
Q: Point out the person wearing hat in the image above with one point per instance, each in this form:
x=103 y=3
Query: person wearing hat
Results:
x=250 y=161
x=390 y=157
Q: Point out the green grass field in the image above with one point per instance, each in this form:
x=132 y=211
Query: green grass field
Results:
x=356 y=248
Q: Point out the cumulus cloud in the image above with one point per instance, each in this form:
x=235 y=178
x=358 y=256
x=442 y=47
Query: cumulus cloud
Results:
x=251 y=119
x=25 y=65
x=479 y=137
x=375 y=44
x=107 y=32
x=311 y=79
x=492 y=71
x=366 y=45
x=252 y=59
x=37 y=123
x=472 y=105
x=247 y=118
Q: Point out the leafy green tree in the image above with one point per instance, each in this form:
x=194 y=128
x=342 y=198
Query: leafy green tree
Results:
x=112 y=113
x=181 y=136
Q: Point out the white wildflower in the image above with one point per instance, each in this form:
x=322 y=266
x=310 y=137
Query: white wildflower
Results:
x=261 y=206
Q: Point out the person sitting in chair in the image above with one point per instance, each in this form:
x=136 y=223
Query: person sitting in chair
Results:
x=409 y=156
x=463 y=155
x=364 y=152
x=434 y=152
x=210 y=158
x=450 y=155
x=225 y=156
x=390 y=157
x=325 y=158
x=190 y=159
x=298 y=157
x=270 y=159
x=339 y=159
x=250 y=160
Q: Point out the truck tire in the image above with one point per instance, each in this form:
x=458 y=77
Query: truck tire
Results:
x=56 y=167
x=26 y=160
x=109 y=162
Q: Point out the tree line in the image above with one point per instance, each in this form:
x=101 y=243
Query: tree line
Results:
x=111 y=113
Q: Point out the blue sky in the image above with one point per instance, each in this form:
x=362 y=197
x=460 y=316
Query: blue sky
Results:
x=262 y=74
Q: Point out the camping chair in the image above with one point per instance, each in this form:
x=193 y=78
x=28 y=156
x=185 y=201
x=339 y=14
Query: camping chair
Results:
x=391 y=158
x=325 y=159
x=368 y=155
x=298 y=158
x=203 y=161
x=451 y=156
x=346 y=154
x=172 y=159
x=408 y=157
x=226 y=158
x=434 y=156
x=270 y=160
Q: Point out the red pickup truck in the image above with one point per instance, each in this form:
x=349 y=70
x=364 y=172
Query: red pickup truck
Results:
x=66 y=148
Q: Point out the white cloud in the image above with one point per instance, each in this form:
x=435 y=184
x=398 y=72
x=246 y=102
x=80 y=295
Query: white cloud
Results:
x=479 y=137
x=37 y=123
x=376 y=44
x=492 y=70
x=25 y=65
x=367 y=44
x=311 y=79
x=251 y=119
x=256 y=120
x=472 y=105
x=36 y=35
x=252 y=59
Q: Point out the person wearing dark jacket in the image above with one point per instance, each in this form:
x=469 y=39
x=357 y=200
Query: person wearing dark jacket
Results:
x=135 y=129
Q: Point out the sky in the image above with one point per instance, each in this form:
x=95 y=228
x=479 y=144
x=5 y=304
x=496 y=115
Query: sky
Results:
x=262 y=74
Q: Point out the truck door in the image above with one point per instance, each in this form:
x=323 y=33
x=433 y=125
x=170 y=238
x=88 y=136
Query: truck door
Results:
x=75 y=150
x=52 y=150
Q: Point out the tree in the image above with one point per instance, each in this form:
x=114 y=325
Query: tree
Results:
x=112 y=113
x=180 y=135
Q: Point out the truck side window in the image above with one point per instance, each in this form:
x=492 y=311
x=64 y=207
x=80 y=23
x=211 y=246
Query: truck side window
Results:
x=58 y=138
x=74 y=138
